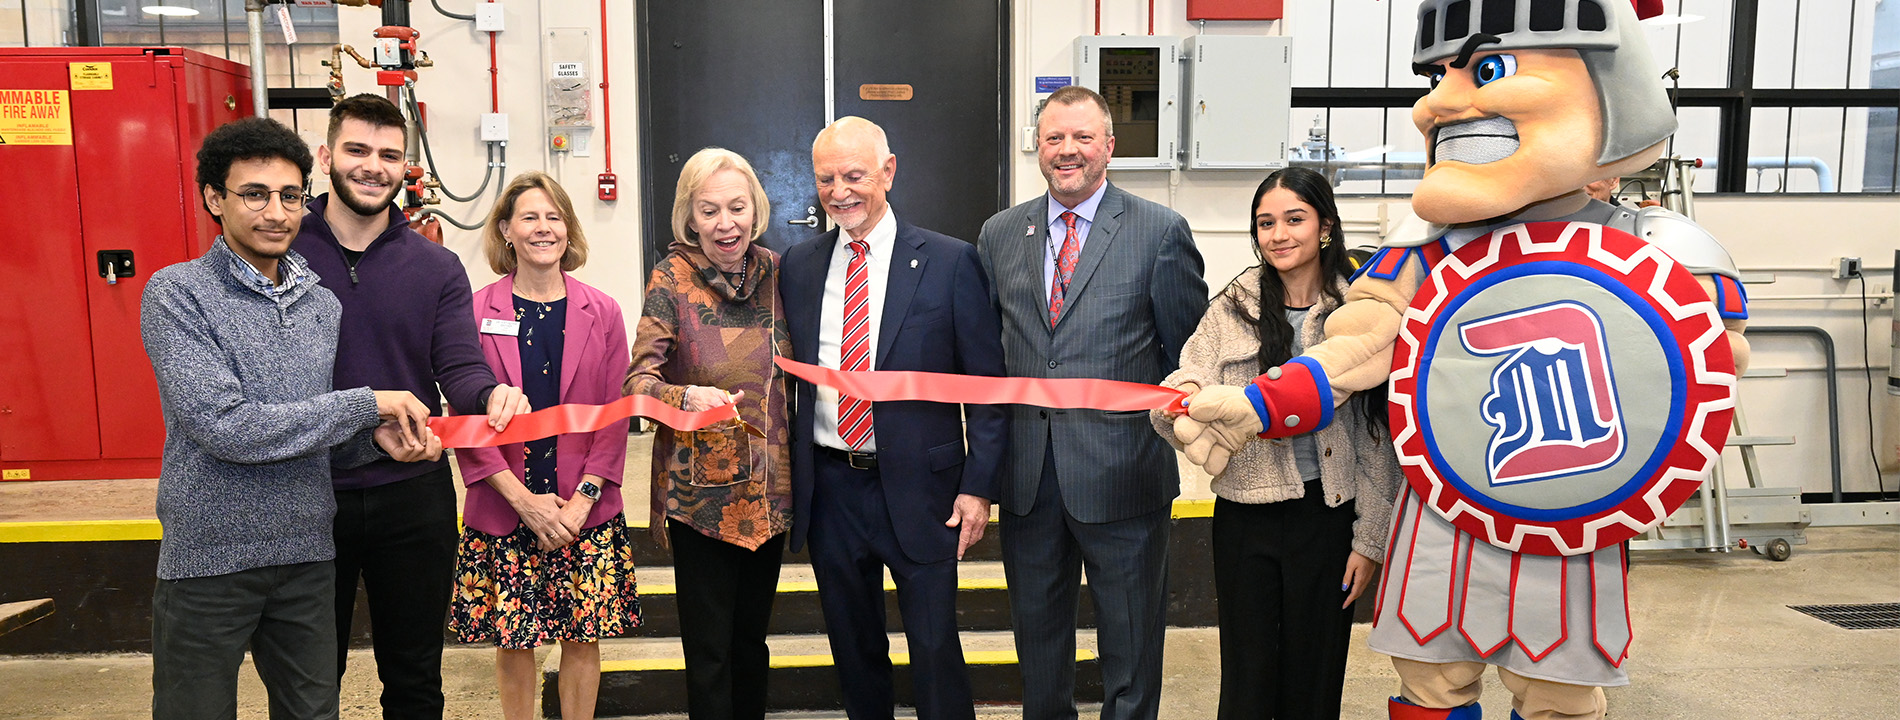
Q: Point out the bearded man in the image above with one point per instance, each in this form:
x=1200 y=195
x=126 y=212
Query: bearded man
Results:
x=408 y=324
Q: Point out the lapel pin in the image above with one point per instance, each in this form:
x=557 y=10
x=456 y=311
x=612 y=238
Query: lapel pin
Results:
x=913 y=263
x=1029 y=231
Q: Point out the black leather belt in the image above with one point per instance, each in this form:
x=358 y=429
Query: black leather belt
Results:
x=857 y=460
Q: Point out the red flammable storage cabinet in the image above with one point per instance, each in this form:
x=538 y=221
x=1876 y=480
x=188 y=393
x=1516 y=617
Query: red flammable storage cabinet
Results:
x=98 y=154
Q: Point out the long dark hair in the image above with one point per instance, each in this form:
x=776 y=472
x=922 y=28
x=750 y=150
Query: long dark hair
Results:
x=1270 y=324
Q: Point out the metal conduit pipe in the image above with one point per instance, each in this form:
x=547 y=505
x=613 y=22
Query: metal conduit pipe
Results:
x=1833 y=390
x=260 y=89
x=1823 y=175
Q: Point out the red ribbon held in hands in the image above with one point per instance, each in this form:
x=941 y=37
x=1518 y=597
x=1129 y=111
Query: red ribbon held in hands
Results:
x=466 y=431
x=1070 y=393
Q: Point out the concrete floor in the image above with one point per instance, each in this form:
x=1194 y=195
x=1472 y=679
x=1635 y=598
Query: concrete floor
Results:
x=1714 y=640
x=1714 y=636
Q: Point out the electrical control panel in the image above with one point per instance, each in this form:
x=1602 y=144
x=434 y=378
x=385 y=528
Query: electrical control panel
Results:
x=1140 y=77
x=1239 y=95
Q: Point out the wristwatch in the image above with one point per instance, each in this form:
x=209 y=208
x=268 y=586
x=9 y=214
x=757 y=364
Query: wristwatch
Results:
x=588 y=489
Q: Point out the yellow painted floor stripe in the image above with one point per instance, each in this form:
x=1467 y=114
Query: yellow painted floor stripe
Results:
x=783 y=662
x=79 y=531
x=1194 y=508
x=148 y=529
x=795 y=586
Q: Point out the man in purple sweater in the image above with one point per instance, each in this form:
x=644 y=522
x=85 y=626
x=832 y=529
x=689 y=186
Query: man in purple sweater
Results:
x=408 y=324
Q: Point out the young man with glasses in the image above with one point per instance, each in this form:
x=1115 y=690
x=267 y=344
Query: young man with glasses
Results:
x=241 y=340
x=408 y=322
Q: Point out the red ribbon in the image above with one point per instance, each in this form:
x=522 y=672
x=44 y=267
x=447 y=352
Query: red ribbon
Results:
x=1073 y=393
x=465 y=431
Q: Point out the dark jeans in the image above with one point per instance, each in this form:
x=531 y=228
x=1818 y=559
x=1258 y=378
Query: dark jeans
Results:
x=725 y=595
x=200 y=627
x=1283 y=635
x=400 y=539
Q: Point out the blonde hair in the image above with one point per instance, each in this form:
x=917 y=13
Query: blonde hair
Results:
x=693 y=175
x=501 y=258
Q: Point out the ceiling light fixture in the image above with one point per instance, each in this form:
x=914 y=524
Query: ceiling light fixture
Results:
x=170 y=10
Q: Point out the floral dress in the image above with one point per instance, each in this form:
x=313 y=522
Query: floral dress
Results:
x=511 y=593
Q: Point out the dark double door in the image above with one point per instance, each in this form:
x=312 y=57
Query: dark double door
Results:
x=749 y=76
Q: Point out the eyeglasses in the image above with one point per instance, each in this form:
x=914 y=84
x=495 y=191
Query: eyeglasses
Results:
x=259 y=199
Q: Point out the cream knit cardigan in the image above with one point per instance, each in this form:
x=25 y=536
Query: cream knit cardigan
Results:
x=1353 y=464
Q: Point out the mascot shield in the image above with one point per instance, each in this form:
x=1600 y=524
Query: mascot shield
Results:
x=1560 y=387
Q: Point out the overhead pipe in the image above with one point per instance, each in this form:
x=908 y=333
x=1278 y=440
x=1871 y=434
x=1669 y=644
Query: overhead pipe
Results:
x=260 y=89
x=606 y=104
x=494 y=76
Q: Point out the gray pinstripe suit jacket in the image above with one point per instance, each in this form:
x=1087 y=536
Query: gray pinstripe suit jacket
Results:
x=1137 y=294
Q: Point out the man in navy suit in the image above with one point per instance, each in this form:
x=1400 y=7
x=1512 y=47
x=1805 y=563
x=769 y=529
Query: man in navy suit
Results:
x=889 y=484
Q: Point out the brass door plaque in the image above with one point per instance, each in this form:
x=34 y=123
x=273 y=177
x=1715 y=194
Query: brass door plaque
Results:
x=884 y=92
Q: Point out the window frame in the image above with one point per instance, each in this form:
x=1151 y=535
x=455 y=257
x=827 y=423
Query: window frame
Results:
x=1736 y=102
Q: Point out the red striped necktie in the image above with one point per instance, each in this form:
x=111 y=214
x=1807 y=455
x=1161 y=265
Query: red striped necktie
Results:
x=1065 y=268
x=854 y=415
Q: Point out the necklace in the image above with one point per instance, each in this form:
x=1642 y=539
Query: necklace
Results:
x=745 y=265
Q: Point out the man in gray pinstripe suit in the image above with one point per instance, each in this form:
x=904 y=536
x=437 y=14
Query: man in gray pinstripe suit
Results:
x=1091 y=282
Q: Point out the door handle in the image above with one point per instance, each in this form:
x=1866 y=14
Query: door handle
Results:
x=810 y=221
x=115 y=265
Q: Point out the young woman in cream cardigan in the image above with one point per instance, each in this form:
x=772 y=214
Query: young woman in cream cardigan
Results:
x=1299 y=523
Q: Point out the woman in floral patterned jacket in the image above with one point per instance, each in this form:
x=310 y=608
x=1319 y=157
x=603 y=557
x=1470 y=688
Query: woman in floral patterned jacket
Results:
x=721 y=497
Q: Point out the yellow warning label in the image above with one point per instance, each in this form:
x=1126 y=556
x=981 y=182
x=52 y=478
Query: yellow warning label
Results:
x=35 y=117
x=19 y=474
x=91 y=76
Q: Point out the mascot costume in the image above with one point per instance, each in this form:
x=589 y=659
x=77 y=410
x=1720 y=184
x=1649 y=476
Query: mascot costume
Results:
x=1562 y=371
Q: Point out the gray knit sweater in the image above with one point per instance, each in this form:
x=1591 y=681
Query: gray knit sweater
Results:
x=251 y=424
x=1354 y=465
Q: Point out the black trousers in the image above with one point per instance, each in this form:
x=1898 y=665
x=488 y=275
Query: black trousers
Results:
x=725 y=595
x=851 y=543
x=201 y=626
x=400 y=539
x=1283 y=634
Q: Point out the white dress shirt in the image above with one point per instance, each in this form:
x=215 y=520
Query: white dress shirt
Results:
x=877 y=268
x=1084 y=219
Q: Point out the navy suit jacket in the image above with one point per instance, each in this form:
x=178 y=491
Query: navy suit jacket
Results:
x=937 y=317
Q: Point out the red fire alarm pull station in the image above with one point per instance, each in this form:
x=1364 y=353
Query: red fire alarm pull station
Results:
x=608 y=187
x=1235 y=9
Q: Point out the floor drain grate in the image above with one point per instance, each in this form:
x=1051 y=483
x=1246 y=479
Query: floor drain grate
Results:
x=1866 y=616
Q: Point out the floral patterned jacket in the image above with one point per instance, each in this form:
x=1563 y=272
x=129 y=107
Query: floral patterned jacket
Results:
x=696 y=328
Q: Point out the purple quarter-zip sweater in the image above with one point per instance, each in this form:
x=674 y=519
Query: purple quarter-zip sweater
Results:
x=408 y=324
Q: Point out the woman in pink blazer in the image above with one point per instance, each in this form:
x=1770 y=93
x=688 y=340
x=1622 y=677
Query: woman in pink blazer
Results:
x=546 y=554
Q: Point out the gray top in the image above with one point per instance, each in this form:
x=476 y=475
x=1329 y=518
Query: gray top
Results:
x=1305 y=448
x=1138 y=290
x=251 y=425
x=1355 y=463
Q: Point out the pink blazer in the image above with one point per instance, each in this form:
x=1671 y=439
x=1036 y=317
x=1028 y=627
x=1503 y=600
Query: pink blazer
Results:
x=593 y=364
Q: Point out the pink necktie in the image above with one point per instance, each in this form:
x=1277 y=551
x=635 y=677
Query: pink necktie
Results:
x=1065 y=268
